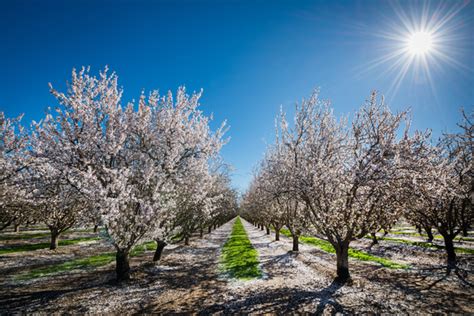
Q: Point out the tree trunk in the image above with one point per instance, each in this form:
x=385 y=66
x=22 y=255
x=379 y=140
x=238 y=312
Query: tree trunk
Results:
x=209 y=229
x=277 y=234
x=418 y=228
x=17 y=228
x=159 y=249
x=464 y=231
x=122 y=268
x=262 y=227
x=429 y=233
x=96 y=227
x=268 y=230
x=296 y=243
x=342 y=257
x=215 y=226
x=54 y=239
x=186 y=240
x=374 y=238
x=385 y=232
x=448 y=242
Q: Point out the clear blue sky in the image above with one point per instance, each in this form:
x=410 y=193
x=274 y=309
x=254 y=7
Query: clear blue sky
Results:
x=250 y=57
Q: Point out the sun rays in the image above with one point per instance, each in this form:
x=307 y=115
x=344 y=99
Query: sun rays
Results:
x=417 y=42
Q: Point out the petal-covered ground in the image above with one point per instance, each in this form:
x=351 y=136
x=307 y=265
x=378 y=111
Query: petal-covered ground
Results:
x=191 y=279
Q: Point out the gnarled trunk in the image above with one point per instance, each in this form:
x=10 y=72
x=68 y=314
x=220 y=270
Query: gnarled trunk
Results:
x=429 y=233
x=54 y=239
x=296 y=243
x=160 y=245
x=122 y=269
x=374 y=239
x=418 y=228
x=449 y=245
x=342 y=257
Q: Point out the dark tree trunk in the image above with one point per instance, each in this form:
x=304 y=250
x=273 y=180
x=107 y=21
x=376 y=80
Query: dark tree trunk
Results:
x=448 y=242
x=122 y=268
x=385 y=232
x=268 y=230
x=201 y=233
x=160 y=245
x=186 y=240
x=262 y=227
x=17 y=228
x=296 y=243
x=209 y=229
x=342 y=257
x=54 y=239
x=429 y=233
x=374 y=239
x=418 y=228
x=464 y=231
x=96 y=227
x=215 y=226
x=277 y=234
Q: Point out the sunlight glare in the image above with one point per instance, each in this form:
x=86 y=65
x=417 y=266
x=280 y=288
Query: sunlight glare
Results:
x=420 y=43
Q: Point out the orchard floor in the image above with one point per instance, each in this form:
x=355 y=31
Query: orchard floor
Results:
x=188 y=279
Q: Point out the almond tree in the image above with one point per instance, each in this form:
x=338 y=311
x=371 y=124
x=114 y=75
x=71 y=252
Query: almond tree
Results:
x=441 y=185
x=52 y=200
x=127 y=160
x=272 y=196
x=346 y=174
x=13 y=162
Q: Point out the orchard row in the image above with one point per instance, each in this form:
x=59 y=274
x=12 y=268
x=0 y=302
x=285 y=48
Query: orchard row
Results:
x=342 y=179
x=146 y=171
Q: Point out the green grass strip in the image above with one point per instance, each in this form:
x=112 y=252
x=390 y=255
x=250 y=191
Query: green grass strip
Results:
x=25 y=236
x=353 y=253
x=43 y=245
x=426 y=244
x=239 y=258
x=84 y=263
x=438 y=237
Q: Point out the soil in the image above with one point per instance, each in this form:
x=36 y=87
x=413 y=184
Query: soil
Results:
x=189 y=279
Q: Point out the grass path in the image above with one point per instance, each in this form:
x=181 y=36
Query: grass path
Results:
x=436 y=236
x=44 y=245
x=83 y=263
x=239 y=258
x=425 y=244
x=353 y=253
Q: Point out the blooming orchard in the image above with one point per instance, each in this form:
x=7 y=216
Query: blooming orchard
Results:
x=133 y=165
x=341 y=181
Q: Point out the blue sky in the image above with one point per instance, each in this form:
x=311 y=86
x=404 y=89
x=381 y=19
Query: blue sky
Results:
x=250 y=57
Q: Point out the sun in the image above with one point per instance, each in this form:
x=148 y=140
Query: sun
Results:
x=420 y=43
x=417 y=43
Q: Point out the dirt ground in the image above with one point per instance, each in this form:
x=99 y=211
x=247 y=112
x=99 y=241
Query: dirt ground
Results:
x=189 y=280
